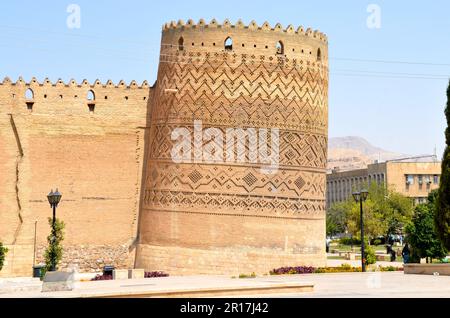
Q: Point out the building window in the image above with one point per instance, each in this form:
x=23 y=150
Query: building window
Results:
x=280 y=47
x=319 y=55
x=181 y=44
x=228 y=44
x=420 y=180
x=436 y=179
x=409 y=179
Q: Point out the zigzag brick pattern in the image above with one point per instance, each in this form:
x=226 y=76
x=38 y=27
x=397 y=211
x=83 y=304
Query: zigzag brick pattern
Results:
x=236 y=207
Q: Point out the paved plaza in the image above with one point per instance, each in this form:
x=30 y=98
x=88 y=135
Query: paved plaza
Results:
x=346 y=285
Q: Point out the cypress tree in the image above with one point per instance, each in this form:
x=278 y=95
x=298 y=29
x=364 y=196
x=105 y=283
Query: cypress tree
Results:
x=442 y=217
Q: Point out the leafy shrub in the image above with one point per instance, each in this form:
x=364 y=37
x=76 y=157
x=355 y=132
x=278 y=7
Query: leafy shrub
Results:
x=349 y=241
x=155 y=274
x=390 y=269
x=3 y=251
x=54 y=252
x=377 y=242
x=370 y=255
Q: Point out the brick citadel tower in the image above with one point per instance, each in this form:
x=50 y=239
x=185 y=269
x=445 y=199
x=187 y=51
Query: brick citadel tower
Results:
x=126 y=200
x=222 y=217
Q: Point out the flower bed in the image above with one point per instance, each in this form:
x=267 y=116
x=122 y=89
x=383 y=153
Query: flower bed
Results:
x=293 y=270
x=155 y=274
x=344 y=268
x=102 y=277
x=390 y=269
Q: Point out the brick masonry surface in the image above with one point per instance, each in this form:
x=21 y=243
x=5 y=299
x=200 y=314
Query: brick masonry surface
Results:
x=107 y=148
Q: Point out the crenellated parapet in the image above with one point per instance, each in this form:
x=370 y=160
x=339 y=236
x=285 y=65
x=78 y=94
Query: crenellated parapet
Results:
x=278 y=28
x=73 y=98
x=73 y=83
x=280 y=42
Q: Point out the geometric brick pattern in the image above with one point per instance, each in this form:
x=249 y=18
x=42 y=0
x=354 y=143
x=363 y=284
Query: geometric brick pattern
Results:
x=234 y=208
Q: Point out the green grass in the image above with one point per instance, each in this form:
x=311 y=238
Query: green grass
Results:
x=252 y=275
x=356 y=249
x=336 y=257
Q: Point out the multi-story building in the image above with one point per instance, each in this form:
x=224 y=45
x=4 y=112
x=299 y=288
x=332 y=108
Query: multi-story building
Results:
x=412 y=179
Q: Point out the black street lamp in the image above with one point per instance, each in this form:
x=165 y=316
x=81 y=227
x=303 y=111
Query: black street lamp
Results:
x=361 y=197
x=53 y=199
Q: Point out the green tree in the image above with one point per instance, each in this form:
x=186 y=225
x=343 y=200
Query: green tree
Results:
x=400 y=212
x=442 y=215
x=54 y=251
x=422 y=233
x=3 y=251
x=337 y=218
x=385 y=212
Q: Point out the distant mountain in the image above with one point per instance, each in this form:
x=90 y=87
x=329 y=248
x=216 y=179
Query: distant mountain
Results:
x=353 y=152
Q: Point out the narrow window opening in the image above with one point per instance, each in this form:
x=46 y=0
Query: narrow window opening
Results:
x=181 y=44
x=228 y=44
x=319 y=55
x=90 y=95
x=29 y=95
x=91 y=108
x=280 y=47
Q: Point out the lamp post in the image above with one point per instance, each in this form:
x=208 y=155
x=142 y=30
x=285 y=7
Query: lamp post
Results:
x=53 y=199
x=361 y=197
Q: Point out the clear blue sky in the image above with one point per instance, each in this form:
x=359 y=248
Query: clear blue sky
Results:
x=378 y=101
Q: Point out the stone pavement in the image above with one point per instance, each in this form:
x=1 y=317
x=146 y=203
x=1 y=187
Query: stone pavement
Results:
x=372 y=285
x=175 y=286
x=345 y=285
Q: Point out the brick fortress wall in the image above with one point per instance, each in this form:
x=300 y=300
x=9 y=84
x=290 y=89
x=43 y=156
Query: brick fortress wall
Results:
x=229 y=218
x=92 y=150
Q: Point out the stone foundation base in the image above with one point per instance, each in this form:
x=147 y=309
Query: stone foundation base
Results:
x=188 y=261
x=92 y=258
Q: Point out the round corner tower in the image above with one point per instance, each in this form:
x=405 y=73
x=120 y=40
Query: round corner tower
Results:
x=216 y=209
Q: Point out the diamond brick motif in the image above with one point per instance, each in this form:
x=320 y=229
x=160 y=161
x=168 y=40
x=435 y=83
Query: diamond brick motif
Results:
x=299 y=182
x=250 y=179
x=195 y=176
